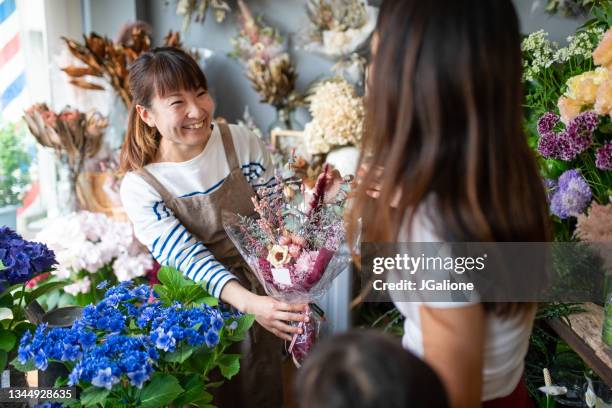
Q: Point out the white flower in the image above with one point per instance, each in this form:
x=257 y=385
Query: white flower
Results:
x=338 y=115
x=278 y=255
x=89 y=241
x=127 y=267
x=80 y=286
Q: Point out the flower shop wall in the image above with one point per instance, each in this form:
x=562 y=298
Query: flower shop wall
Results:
x=227 y=79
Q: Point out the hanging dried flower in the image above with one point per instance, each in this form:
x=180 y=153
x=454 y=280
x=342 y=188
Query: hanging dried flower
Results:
x=187 y=9
x=274 y=81
x=108 y=60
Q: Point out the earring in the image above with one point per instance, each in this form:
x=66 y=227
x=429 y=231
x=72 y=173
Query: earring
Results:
x=212 y=126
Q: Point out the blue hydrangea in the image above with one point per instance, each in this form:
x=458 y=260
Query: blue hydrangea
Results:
x=22 y=259
x=123 y=335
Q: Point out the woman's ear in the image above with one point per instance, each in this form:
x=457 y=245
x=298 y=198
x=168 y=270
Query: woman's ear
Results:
x=145 y=115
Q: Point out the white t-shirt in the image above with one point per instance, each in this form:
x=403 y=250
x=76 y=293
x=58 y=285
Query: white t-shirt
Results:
x=163 y=234
x=506 y=339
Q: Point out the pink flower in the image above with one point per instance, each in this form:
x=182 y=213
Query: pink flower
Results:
x=304 y=264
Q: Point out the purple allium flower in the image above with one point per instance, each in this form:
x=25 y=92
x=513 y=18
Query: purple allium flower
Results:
x=547 y=123
x=603 y=157
x=572 y=196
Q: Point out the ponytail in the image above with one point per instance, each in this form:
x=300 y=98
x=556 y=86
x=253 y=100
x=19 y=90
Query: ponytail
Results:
x=140 y=145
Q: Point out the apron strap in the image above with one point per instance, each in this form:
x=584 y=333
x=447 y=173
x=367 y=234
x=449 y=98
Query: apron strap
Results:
x=155 y=183
x=228 y=145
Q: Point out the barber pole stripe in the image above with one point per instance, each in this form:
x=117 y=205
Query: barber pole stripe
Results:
x=12 y=64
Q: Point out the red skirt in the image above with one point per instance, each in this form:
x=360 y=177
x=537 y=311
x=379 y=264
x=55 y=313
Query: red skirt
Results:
x=518 y=399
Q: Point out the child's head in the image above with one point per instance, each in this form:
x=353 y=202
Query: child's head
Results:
x=366 y=369
x=169 y=100
x=444 y=120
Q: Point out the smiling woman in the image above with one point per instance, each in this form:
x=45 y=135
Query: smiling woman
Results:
x=181 y=171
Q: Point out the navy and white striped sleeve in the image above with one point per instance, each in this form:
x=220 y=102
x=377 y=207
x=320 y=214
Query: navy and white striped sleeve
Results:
x=170 y=243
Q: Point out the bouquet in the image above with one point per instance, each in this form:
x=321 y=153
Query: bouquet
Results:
x=134 y=349
x=93 y=248
x=295 y=243
x=339 y=27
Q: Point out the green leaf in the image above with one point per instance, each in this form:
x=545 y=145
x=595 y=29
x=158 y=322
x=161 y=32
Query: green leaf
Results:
x=195 y=392
x=3 y=359
x=179 y=356
x=162 y=390
x=229 y=364
x=6 y=300
x=24 y=368
x=201 y=361
x=43 y=289
x=93 y=395
x=244 y=324
x=7 y=340
x=208 y=300
x=60 y=382
x=172 y=278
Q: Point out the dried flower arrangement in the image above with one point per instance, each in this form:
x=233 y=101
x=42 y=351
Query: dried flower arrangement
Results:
x=105 y=59
x=188 y=8
x=74 y=135
x=269 y=68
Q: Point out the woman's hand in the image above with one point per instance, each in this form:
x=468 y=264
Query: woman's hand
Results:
x=274 y=315
x=270 y=313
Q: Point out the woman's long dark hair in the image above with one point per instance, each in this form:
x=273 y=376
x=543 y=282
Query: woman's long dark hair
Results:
x=444 y=120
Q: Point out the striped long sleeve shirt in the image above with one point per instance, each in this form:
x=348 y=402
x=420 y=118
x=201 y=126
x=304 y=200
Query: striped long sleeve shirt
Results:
x=157 y=227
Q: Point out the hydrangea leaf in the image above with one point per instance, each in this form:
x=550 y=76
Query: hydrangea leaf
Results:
x=162 y=390
x=229 y=364
x=180 y=355
x=24 y=368
x=7 y=340
x=92 y=396
x=195 y=392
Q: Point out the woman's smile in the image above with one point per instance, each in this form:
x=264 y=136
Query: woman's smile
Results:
x=196 y=125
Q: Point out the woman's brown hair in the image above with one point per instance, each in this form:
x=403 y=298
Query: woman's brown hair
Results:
x=158 y=72
x=444 y=120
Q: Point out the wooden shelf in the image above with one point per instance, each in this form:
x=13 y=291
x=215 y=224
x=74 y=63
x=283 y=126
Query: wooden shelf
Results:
x=583 y=334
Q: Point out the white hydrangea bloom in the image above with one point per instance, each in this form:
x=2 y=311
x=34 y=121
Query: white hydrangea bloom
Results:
x=89 y=241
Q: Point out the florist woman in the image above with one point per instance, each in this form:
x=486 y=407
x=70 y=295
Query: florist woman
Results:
x=182 y=170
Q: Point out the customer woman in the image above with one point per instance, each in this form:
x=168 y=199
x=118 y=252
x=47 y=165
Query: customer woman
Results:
x=444 y=131
x=182 y=170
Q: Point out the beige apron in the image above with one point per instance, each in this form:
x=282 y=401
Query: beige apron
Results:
x=259 y=383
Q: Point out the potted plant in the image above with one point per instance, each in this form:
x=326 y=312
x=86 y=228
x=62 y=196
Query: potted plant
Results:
x=20 y=262
x=14 y=178
x=139 y=347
